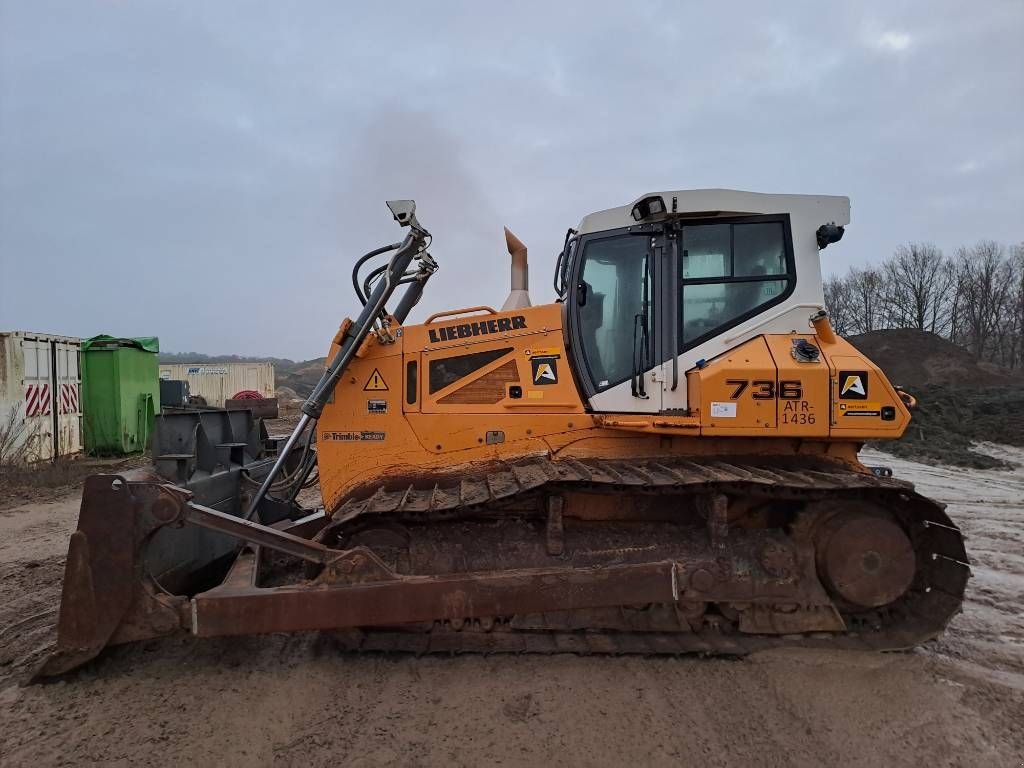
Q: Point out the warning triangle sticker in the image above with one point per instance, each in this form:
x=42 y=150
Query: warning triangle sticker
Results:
x=375 y=383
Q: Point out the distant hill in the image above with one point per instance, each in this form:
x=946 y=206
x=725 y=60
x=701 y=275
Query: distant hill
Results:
x=282 y=363
x=915 y=358
x=301 y=377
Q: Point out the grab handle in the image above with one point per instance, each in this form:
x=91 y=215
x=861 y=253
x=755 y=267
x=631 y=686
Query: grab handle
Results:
x=453 y=312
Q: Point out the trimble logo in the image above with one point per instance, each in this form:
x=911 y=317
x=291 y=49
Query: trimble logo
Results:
x=467 y=330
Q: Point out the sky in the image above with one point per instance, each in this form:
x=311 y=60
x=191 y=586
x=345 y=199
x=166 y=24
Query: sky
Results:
x=209 y=172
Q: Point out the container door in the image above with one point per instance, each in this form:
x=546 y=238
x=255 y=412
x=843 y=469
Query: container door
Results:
x=38 y=400
x=69 y=408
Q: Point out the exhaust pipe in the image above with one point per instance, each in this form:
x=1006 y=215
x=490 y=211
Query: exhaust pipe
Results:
x=519 y=296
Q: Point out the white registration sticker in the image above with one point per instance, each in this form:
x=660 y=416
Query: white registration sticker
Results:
x=723 y=410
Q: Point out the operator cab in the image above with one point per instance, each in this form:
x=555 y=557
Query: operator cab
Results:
x=652 y=288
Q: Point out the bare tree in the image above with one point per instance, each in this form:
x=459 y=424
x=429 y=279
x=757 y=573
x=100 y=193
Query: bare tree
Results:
x=15 y=444
x=974 y=298
x=866 y=299
x=839 y=303
x=1015 y=313
x=984 y=285
x=916 y=288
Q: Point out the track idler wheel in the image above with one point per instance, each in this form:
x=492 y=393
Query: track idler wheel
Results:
x=864 y=557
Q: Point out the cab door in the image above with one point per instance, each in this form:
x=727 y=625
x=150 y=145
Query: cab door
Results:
x=614 y=325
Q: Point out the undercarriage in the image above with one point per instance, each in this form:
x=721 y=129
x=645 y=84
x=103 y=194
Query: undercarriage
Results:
x=596 y=556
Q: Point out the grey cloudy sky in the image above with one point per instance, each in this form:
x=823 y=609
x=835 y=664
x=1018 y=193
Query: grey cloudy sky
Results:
x=208 y=172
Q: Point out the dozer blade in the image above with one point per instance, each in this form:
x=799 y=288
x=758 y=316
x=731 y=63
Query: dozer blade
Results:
x=137 y=535
x=104 y=576
x=143 y=546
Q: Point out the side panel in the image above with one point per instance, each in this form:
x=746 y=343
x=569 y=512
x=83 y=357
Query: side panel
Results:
x=69 y=400
x=363 y=431
x=737 y=392
x=803 y=389
x=761 y=389
x=503 y=363
x=139 y=388
x=530 y=376
x=865 y=404
x=13 y=426
x=38 y=384
x=101 y=398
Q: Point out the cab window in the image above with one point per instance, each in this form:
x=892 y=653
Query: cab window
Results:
x=729 y=272
x=610 y=295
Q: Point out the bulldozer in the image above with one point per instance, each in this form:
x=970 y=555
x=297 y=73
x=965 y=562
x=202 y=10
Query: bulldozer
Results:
x=662 y=461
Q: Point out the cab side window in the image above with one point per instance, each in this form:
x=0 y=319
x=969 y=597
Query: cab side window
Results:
x=730 y=272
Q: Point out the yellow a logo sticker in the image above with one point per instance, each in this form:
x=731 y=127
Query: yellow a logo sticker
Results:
x=545 y=370
x=853 y=385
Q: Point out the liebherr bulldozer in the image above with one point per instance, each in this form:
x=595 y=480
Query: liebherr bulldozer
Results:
x=664 y=460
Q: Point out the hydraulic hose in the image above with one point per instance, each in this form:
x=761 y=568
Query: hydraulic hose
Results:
x=362 y=260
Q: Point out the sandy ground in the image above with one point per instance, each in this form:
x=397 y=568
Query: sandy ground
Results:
x=297 y=701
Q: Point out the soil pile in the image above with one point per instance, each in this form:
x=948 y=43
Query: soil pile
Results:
x=961 y=400
x=949 y=420
x=286 y=396
x=912 y=358
x=301 y=377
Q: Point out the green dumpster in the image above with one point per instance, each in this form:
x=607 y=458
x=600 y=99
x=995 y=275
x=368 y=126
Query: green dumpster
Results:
x=120 y=393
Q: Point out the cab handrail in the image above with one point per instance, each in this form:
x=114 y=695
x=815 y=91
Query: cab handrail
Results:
x=454 y=312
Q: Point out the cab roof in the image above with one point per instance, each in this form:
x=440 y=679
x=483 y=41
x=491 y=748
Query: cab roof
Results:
x=722 y=202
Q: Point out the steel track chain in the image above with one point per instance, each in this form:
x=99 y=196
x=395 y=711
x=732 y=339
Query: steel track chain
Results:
x=921 y=614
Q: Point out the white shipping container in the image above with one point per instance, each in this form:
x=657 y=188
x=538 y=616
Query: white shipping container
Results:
x=40 y=395
x=218 y=382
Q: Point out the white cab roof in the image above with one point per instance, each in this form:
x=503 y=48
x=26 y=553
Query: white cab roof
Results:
x=725 y=202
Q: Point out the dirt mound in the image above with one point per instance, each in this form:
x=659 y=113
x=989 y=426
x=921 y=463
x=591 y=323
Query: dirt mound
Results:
x=950 y=419
x=287 y=395
x=302 y=377
x=912 y=358
x=961 y=400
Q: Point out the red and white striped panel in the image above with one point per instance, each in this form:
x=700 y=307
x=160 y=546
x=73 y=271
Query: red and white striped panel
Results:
x=37 y=400
x=68 y=398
